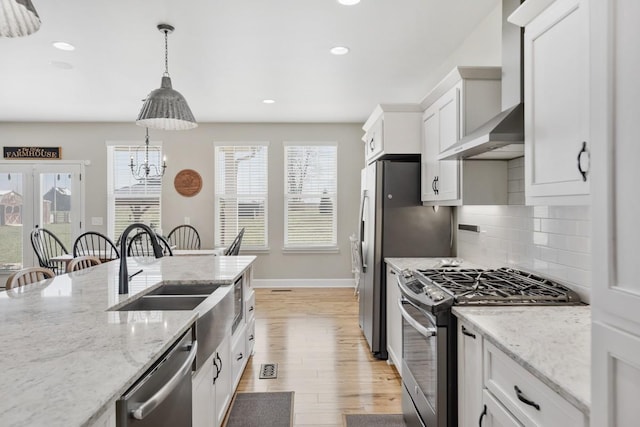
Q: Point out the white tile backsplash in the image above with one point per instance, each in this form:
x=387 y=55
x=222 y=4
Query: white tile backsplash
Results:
x=554 y=241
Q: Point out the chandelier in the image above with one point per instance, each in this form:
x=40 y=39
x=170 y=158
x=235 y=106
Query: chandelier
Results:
x=147 y=170
x=166 y=108
x=18 y=18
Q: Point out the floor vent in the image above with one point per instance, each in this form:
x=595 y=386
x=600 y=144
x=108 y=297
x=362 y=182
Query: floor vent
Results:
x=268 y=371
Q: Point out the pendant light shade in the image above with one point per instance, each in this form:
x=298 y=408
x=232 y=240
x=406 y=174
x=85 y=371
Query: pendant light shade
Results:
x=166 y=108
x=18 y=18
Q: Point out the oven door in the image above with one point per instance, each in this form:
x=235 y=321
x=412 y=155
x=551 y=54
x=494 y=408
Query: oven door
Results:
x=423 y=366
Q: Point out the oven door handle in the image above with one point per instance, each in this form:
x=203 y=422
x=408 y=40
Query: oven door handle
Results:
x=427 y=332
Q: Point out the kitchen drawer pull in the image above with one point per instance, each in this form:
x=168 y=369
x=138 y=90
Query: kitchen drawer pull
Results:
x=582 y=151
x=437 y=186
x=484 y=412
x=523 y=399
x=467 y=333
x=152 y=403
x=251 y=308
x=251 y=338
x=240 y=356
x=218 y=370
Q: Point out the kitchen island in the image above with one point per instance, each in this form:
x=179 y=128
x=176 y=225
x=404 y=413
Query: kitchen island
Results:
x=67 y=357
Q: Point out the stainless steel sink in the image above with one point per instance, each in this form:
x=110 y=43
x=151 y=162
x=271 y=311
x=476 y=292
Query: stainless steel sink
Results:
x=179 y=289
x=159 y=302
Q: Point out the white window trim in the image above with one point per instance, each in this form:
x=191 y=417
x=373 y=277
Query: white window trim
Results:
x=244 y=249
x=310 y=248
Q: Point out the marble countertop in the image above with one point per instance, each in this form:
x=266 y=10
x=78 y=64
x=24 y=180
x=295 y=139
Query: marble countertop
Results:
x=67 y=357
x=400 y=264
x=552 y=343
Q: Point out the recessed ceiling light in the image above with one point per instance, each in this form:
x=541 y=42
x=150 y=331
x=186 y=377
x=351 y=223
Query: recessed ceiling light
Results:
x=64 y=46
x=339 y=50
x=348 y=2
x=61 y=65
x=268 y=101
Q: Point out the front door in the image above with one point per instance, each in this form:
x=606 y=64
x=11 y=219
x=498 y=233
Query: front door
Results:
x=44 y=194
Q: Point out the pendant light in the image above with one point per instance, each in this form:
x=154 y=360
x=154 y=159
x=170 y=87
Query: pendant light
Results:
x=165 y=108
x=147 y=170
x=18 y=18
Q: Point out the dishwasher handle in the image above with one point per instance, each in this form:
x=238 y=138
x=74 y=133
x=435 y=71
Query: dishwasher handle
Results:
x=147 y=407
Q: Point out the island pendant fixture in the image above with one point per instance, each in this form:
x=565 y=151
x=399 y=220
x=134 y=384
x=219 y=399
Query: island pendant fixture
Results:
x=18 y=18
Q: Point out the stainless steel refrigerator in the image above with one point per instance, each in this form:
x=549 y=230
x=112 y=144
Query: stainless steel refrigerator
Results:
x=393 y=223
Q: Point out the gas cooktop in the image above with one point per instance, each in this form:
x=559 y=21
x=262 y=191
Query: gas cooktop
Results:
x=503 y=286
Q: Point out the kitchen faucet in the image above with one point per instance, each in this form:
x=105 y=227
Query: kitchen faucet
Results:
x=123 y=280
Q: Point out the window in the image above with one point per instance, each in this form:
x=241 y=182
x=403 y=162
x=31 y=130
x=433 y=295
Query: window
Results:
x=311 y=182
x=131 y=200
x=241 y=194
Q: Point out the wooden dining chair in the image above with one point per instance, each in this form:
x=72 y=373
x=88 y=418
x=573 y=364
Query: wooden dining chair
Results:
x=184 y=237
x=82 y=262
x=234 y=247
x=140 y=245
x=46 y=245
x=95 y=244
x=28 y=275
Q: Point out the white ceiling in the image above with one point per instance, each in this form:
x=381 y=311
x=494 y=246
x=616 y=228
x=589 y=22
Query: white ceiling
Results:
x=226 y=56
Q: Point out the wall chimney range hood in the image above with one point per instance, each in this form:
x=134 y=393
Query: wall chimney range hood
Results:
x=502 y=137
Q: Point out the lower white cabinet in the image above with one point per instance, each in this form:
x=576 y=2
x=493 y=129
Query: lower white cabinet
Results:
x=211 y=387
x=494 y=414
x=222 y=380
x=238 y=354
x=469 y=375
x=394 y=320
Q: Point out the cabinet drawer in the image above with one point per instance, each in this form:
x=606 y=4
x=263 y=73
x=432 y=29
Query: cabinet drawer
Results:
x=251 y=336
x=250 y=304
x=238 y=354
x=495 y=415
x=512 y=385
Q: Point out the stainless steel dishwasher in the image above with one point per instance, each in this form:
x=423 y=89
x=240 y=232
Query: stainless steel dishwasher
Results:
x=162 y=396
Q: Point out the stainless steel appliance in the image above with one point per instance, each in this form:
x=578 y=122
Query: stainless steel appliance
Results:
x=162 y=396
x=393 y=223
x=238 y=300
x=429 y=353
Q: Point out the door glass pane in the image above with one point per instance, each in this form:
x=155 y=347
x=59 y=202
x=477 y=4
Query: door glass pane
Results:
x=11 y=196
x=55 y=205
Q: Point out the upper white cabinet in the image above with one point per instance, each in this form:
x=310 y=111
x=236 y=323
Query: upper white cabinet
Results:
x=462 y=101
x=392 y=129
x=614 y=112
x=556 y=93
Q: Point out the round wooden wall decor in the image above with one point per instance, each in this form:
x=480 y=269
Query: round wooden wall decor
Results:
x=188 y=182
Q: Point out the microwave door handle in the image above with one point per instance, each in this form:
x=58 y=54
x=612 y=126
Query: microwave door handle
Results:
x=147 y=407
x=427 y=332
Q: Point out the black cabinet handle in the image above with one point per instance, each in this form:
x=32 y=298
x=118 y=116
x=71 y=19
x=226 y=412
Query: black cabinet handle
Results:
x=372 y=145
x=251 y=338
x=467 y=333
x=437 y=185
x=433 y=185
x=240 y=356
x=582 y=151
x=484 y=412
x=522 y=398
x=251 y=308
x=218 y=370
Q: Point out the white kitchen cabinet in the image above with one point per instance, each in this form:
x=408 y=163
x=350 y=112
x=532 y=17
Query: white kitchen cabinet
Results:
x=203 y=406
x=469 y=375
x=392 y=129
x=238 y=354
x=394 y=320
x=614 y=112
x=556 y=93
x=464 y=100
x=494 y=414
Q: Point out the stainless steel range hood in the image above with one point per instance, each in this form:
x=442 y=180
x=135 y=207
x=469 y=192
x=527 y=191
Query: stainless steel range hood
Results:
x=502 y=137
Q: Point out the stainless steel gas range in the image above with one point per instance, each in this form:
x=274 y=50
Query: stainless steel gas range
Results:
x=429 y=353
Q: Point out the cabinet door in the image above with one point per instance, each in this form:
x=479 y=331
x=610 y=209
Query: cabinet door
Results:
x=469 y=376
x=557 y=95
x=430 y=150
x=222 y=387
x=449 y=134
x=374 y=140
x=203 y=396
x=494 y=414
x=394 y=321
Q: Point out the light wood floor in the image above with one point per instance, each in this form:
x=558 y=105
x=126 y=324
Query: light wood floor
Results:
x=314 y=337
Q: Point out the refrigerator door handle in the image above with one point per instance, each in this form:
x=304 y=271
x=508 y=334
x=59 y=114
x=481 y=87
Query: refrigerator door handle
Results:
x=363 y=245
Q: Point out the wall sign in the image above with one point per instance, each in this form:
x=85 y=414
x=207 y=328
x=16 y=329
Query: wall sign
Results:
x=21 y=153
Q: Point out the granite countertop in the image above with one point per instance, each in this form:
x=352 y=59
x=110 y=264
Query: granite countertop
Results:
x=552 y=343
x=400 y=264
x=67 y=358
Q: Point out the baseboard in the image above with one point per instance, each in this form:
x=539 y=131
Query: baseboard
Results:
x=394 y=360
x=303 y=283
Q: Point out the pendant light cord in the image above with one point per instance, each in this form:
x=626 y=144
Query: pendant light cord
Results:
x=166 y=52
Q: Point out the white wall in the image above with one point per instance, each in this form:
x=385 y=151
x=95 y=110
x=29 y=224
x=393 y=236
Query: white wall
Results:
x=194 y=150
x=554 y=241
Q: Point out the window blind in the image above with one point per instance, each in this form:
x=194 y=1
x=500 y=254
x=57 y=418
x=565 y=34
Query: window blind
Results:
x=132 y=200
x=311 y=182
x=241 y=194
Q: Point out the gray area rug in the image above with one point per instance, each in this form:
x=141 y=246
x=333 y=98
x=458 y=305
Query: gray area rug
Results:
x=261 y=410
x=374 y=420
